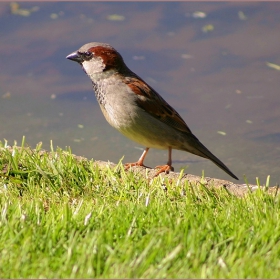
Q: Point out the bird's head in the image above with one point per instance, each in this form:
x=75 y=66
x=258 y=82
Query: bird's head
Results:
x=98 y=59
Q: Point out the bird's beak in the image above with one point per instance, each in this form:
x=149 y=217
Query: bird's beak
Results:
x=75 y=56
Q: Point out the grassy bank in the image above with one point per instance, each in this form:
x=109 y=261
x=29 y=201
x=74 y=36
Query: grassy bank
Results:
x=61 y=217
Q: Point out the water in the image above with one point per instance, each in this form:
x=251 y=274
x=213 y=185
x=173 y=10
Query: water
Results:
x=211 y=66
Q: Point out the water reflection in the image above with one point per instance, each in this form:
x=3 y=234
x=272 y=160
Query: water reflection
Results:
x=212 y=69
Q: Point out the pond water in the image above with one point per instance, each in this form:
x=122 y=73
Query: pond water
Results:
x=216 y=63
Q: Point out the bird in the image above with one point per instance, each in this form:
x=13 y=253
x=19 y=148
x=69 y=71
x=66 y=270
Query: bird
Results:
x=135 y=109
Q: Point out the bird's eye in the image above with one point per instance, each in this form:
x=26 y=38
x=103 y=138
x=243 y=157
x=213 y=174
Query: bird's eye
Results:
x=87 y=55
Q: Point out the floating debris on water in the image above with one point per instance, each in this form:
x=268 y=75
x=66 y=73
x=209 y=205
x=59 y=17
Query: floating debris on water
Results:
x=241 y=15
x=221 y=132
x=199 y=14
x=16 y=10
x=273 y=66
x=208 y=28
x=116 y=17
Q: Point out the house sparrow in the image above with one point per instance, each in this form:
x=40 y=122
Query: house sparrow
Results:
x=135 y=109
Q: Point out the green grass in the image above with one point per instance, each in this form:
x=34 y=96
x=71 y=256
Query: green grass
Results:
x=66 y=218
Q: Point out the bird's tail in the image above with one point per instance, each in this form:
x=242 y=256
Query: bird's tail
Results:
x=201 y=150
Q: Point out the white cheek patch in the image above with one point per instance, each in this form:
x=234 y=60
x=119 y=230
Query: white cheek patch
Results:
x=86 y=66
x=94 y=67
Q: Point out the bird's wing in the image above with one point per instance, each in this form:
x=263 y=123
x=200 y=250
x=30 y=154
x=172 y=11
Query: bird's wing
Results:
x=150 y=101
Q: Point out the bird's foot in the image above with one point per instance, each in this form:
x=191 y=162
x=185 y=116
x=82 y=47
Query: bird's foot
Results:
x=138 y=163
x=164 y=168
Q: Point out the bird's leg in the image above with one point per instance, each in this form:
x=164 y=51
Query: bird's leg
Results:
x=140 y=161
x=167 y=167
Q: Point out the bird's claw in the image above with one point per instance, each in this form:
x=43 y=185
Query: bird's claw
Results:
x=128 y=165
x=164 y=168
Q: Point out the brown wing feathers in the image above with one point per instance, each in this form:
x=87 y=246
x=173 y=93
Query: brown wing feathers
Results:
x=149 y=100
